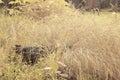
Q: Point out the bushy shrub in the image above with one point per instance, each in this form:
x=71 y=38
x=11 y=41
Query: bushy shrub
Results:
x=35 y=8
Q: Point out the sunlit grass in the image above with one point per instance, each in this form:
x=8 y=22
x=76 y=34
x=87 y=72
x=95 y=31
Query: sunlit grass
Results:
x=88 y=45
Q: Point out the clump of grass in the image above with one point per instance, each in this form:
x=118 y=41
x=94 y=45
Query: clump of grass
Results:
x=89 y=48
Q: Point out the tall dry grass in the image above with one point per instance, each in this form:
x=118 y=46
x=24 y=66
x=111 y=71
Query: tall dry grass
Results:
x=88 y=45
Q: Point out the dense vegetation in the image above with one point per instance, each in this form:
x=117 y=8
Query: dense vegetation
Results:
x=77 y=46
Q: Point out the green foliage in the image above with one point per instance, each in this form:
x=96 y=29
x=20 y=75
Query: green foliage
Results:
x=13 y=7
x=1 y=1
x=33 y=7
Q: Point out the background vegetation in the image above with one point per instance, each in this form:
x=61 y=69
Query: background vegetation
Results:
x=87 y=45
